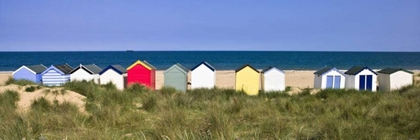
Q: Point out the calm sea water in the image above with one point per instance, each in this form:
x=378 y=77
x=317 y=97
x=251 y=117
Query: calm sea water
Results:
x=221 y=60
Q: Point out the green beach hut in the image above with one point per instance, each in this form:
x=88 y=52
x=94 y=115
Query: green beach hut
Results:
x=176 y=76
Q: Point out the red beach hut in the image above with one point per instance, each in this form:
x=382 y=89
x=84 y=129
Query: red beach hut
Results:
x=142 y=73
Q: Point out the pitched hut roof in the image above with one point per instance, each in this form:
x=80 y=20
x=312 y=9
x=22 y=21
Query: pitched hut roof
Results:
x=356 y=69
x=246 y=65
x=393 y=70
x=327 y=69
x=206 y=64
x=185 y=70
x=117 y=68
x=143 y=63
x=37 y=68
x=65 y=68
x=92 y=69
x=269 y=68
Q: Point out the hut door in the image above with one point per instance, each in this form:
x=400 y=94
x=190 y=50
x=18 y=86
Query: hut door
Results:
x=329 y=81
x=337 y=82
x=369 y=82
x=362 y=82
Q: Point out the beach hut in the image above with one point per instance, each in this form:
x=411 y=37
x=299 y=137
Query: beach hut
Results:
x=203 y=76
x=56 y=75
x=394 y=78
x=113 y=74
x=329 y=77
x=361 y=78
x=85 y=72
x=273 y=79
x=247 y=79
x=176 y=76
x=31 y=73
x=142 y=73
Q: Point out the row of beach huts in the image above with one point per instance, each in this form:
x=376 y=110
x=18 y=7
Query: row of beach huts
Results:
x=203 y=75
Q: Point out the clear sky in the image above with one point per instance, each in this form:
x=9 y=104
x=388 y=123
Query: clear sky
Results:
x=281 y=25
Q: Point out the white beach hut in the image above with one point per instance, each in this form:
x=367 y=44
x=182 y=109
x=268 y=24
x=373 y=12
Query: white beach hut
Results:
x=85 y=72
x=392 y=78
x=273 y=79
x=203 y=76
x=361 y=78
x=113 y=74
x=329 y=77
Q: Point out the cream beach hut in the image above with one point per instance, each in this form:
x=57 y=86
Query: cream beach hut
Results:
x=247 y=79
x=361 y=78
x=329 y=77
x=85 y=72
x=113 y=74
x=203 y=76
x=273 y=79
x=393 y=78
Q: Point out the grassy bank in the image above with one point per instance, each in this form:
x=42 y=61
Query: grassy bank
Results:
x=138 y=113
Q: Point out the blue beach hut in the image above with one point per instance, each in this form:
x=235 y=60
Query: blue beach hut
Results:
x=56 y=75
x=31 y=73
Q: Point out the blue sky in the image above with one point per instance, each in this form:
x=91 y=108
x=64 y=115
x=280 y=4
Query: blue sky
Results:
x=281 y=25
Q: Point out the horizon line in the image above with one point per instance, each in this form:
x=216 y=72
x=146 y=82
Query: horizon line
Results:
x=204 y=51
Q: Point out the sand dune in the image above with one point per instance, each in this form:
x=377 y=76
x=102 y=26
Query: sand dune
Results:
x=51 y=94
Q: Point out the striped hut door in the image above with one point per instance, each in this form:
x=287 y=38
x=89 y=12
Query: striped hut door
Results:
x=329 y=82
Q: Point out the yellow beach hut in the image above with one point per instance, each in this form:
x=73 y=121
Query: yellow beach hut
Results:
x=248 y=80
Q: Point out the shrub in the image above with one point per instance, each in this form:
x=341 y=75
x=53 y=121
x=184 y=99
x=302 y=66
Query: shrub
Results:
x=41 y=105
x=273 y=94
x=150 y=103
x=21 y=82
x=287 y=89
x=405 y=88
x=8 y=99
x=109 y=86
x=305 y=92
x=85 y=88
x=30 y=89
x=168 y=91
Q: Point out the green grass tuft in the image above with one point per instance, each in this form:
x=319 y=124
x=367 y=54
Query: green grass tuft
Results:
x=8 y=100
x=30 y=89
x=21 y=82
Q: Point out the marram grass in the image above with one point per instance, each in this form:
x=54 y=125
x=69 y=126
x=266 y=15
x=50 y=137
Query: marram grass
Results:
x=139 y=113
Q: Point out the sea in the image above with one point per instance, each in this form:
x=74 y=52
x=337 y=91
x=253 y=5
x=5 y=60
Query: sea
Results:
x=220 y=60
